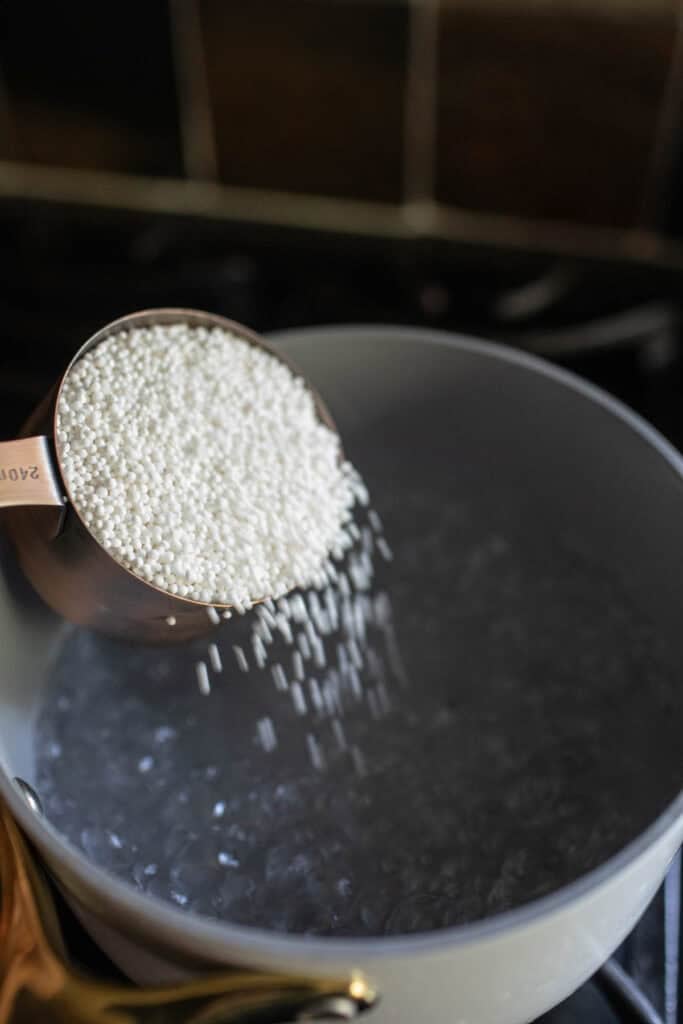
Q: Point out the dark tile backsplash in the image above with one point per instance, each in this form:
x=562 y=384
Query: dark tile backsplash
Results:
x=90 y=85
x=308 y=96
x=546 y=109
x=550 y=109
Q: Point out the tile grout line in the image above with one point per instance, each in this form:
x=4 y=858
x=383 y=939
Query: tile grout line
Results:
x=194 y=109
x=420 y=102
x=659 y=167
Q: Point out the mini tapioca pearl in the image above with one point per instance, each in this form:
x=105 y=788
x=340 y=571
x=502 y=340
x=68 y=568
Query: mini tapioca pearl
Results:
x=198 y=459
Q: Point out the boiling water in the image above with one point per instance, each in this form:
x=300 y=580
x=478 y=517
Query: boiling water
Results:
x=491 y=748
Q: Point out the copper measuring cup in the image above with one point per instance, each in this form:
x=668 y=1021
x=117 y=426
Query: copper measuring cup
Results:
x=69 y=569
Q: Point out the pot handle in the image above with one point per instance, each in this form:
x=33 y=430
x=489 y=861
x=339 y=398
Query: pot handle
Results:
x=37 y=982
x=28 y=476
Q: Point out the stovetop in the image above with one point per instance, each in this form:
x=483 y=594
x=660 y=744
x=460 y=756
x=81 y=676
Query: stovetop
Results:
x=68 y=270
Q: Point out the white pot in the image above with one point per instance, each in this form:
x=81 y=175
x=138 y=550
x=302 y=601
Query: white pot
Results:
x=506 y=970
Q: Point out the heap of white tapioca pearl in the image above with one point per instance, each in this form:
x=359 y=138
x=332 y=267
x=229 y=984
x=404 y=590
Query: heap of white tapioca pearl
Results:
x=198 y=462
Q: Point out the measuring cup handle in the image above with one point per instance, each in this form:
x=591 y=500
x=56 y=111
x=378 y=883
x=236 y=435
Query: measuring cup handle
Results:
x=28 y=475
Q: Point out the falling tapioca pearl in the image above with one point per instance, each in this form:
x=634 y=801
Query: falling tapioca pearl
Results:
x=266 y=734
x=359 y=762
x=241 y=658
x=304 y=646
x=284 y=627
x=260 y=653
x=331 y=697
x=339 y=735
x=315 y=752
x=298 y=699
x=279 y=677
x=319 y=653
x=215 y=658
x=316 y=696
x=203 y=681
x=298 y=666
x=384 y=549
x=375 y=520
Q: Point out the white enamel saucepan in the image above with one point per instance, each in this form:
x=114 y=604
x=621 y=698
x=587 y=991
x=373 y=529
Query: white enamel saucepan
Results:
x=537 y=589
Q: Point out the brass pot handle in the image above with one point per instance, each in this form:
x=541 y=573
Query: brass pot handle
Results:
x=37 y=983
x=27 y=473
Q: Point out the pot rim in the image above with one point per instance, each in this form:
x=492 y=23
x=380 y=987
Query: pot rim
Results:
x=218 y=941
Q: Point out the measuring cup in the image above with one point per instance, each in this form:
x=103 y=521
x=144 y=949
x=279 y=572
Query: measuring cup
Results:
x=71 y=571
